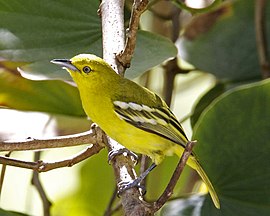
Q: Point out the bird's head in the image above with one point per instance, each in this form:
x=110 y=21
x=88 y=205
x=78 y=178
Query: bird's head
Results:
x=86 y=68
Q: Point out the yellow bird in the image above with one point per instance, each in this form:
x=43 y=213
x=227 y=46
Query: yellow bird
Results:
x=129 y=113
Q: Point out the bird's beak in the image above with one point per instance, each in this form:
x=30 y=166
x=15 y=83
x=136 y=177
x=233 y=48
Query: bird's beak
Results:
x=65 y=63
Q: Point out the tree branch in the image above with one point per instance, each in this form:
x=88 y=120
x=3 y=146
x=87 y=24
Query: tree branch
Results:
x=95 y=136
x=124 y=57
x=61 y=141
x=37 y=183
x=113 y=33
x=112 y=15
x=3 y=172
x=261 y=38
x=41 y=166
x=109 y=209
x=171 y=69
x=132 y=200
x=180 y=167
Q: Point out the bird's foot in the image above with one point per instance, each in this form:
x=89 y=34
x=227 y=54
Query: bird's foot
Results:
x=123 y=186
x=113 y=153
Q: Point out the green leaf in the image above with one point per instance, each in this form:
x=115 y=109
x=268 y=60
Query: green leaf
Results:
x=95 y=189
x=51 y=96
x=187 y=206
x=151 y=50
x=223 y=41
x=11 y=213
x=205 y=100
x=37 y=31
x=234 y=149
x=96 y=186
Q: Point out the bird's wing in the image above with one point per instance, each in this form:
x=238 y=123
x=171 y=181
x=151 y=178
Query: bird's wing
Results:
x=157 y=120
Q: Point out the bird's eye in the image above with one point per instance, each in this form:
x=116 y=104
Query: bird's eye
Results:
x=87 y=69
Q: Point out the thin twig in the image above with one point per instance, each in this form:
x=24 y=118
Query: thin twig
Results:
x=18 y=163
x=116 y=208
x=261 y=38
x=176 y=25
x=108 y=211
x=180 y=166
x=125 y=56
x=41 y=166
x=3 y=172
x=171 y=69
x=57 y=142
x=36 y=182
x=143 y=167
x=86 y=153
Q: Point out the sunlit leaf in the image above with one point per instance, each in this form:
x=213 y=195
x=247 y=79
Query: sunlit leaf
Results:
x=11 y=213
x=51 y=96
x=95 y=189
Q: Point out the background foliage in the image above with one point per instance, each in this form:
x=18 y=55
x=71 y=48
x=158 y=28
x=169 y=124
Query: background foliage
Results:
x=230 y=121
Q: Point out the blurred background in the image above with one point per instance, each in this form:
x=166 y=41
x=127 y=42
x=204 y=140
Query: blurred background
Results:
x=203 y=63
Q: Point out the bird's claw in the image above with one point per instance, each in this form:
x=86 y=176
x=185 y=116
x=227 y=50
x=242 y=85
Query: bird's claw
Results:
x=113 y=153
x=123 y=186
x=93 y=126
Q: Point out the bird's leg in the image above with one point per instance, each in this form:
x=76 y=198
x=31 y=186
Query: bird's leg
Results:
x=122 y=186
x=115 y=152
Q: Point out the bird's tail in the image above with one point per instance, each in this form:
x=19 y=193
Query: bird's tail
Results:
x=194 y=163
